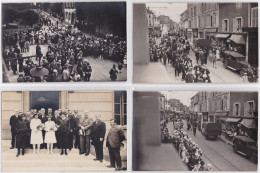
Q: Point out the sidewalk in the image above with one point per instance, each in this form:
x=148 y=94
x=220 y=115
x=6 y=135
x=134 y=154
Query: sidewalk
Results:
x=151 y=73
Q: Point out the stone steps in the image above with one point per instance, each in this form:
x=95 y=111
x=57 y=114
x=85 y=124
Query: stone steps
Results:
x=56 y=162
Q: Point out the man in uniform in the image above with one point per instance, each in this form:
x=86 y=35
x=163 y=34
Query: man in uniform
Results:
x=114 y=138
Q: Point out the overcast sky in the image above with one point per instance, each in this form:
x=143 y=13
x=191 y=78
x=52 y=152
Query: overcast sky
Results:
x=173 y=10
x=183 y=96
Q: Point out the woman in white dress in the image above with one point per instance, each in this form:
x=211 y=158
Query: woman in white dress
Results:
x=50 y=138
x=36 y=134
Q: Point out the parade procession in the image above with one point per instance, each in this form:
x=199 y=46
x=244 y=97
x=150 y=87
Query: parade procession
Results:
x=55 y=48
x=195 y=131
x=196 y=43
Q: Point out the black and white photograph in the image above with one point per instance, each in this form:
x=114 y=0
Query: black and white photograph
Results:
x=195 y=42
x=64 y=42
x=64 y=131
x=195 y=131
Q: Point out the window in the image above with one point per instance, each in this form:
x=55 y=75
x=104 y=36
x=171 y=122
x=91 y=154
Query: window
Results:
x=249 y=108
x=236 y=109
x=120 y=107
x=237 y=24
x=254 y=17
x=214 y=19
x=225 y=25
x=195 y=10
x=211 y=20
x=222 y=104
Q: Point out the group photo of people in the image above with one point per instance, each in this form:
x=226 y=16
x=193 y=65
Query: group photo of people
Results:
x=64 y=130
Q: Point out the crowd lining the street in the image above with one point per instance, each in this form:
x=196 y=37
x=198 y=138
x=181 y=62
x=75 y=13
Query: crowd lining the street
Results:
x=65 y=59
x=188 y=150
x=65 y=130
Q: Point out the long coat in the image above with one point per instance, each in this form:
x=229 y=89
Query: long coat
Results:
x=64 y=131
x=13 y=123
x=99 y=131
x=23 y=131
x=115 y=137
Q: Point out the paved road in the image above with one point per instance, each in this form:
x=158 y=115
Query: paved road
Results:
x=219 y=154
x=218 y=75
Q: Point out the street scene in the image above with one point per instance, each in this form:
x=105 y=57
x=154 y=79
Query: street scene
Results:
x=64 y=131
x=64 y=42
x=200 y=130
x=196 y=43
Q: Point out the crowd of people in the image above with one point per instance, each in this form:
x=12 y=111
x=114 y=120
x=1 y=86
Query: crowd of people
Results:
x=66 y=57
x=65 y=130
x=174 y=50
x=188 y=150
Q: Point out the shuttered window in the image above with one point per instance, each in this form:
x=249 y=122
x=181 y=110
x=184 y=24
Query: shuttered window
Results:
x=254 y=17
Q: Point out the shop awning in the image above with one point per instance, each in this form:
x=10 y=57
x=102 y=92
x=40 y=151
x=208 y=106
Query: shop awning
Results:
x=239 y=39
x=249 y=123
x=222 y=35
x=233 y=120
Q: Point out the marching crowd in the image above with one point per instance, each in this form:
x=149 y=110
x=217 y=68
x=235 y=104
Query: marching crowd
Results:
x=65 y=130
x=174 y=50
x=66 y=55
x=188 y=150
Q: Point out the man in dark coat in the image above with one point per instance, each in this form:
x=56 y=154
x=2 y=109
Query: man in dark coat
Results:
x=98 y=135
x=13 y=123
x=23 y=130
x=114 y=138
x=113 y=73
x=38 y=51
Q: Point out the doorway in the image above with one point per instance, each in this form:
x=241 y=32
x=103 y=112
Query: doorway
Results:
x=45 y=99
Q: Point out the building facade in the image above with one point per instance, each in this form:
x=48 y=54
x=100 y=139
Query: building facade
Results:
x=108 y=104
x=202 y=20
x=69 y=12
x=229 y=107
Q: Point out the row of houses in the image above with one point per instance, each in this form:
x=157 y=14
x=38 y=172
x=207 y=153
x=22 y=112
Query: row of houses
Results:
x=160 y=23
x=228 y=107
x=228 y=25
x=172 y=105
